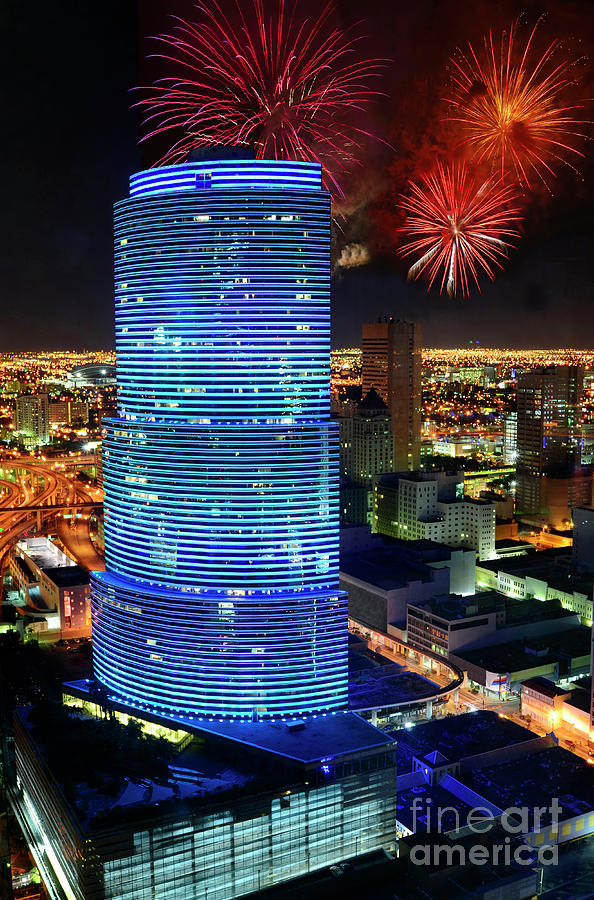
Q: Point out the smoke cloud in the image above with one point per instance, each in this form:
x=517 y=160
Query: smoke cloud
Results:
x=353 y=255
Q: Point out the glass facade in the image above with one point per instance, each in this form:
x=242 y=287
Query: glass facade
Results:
x=221 y=471
x=258 y=843
x=221 y=849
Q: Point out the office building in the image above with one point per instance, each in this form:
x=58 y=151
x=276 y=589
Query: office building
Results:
x=432 y=506
x=231 y=818
x=221 y=471
x=582 y=555
x=366 y=450
x=32 y=419
x=366 y=445
x=549 y=446
x=510 y=438
x=382 y=577
x=448 y=623
x=68 y=412
x=591 y=724
x=391 y=364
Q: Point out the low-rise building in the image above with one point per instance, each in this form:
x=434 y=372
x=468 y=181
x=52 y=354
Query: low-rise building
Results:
x=382 y=577
x=469 y=445
x=501 y=668
x=450 y=768
x=563 y=708
x=447 y=624
x=51 y=585
x=546 y=575
x=432 y=506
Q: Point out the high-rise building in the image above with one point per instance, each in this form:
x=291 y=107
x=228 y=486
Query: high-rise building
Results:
x=366 y=450
x=432 y=506
x=366 y=445
x=219 y=619
x=510 y=438
x=221 y=471
x=391 y=364
x=549 y=444
x=32 y=419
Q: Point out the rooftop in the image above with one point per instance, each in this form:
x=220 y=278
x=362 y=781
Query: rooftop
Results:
x=387 y=568
x=510 y=544
x=544 y=686
x=533 y=780
x=517 y=612
x=68 y=576
x=418 y=808
x=454 y=606
x=373 y=402
x=44 y=553
x=448 y=877
x=305 y=740
x=310 y=740
x=581 y=692
x=515 y=656
x=457 y=737
x=375 y=681
x=110 y=771
x=545 y=560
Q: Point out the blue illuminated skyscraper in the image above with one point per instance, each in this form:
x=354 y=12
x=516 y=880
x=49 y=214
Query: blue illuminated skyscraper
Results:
x=221 y=471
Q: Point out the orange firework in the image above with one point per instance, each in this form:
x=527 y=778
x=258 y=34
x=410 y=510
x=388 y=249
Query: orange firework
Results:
x=511 y=109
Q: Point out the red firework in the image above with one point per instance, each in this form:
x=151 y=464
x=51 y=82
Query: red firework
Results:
x=459 y=226
x=282 y=84
x=510 y=106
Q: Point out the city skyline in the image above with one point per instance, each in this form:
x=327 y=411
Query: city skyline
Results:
x=297 y=517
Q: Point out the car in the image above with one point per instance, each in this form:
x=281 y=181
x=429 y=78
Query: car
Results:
x=340 y=869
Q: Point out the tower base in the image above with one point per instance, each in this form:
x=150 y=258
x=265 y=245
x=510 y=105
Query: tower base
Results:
x=244 y=805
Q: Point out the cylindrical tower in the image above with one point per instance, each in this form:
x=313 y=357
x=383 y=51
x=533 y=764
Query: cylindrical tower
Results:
x=221 y=472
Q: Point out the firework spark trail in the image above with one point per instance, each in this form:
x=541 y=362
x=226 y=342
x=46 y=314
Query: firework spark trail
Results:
x=510 y=107
x=458 y=227
x=286 y=86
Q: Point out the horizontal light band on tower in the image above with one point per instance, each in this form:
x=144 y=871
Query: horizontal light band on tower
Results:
x=278 y=655
x=223 y=306
x=216 y=174
x=222 y=506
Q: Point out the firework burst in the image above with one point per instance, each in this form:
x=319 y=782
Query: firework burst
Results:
x=459 y=227
x=509 y=104
x=264 y=77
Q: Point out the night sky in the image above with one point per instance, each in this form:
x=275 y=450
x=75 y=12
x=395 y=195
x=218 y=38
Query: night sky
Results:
x=70 y=142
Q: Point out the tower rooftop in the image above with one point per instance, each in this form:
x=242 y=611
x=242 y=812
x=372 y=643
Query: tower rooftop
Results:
x=217 y=171
x=307 y=740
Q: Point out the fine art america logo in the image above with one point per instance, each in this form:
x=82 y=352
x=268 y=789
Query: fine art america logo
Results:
x=512 y=824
